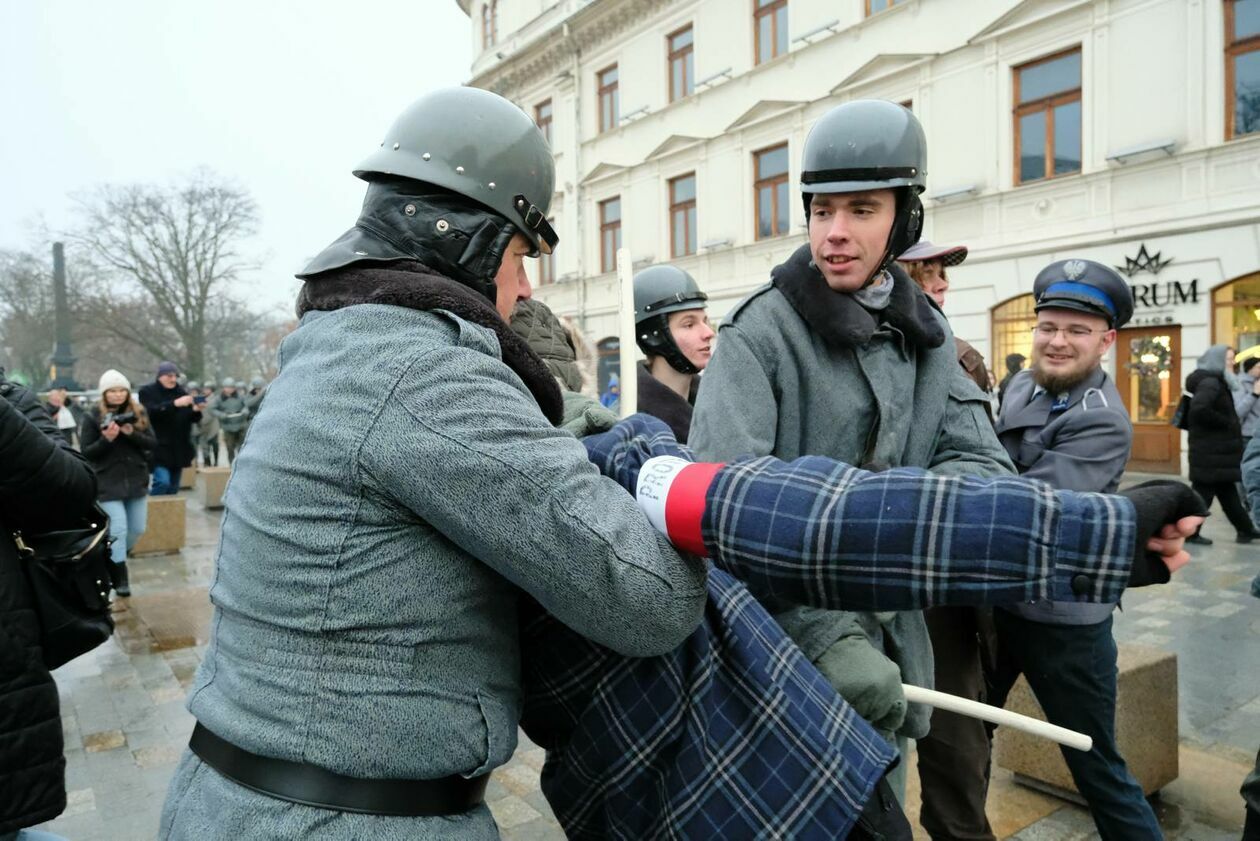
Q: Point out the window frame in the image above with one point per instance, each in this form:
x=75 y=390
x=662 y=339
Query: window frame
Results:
x=489 y=24
x=690 y=215
x=772 y=182
x=544 y=124
x=1234 y=49
x=608 y=260
x=1045 y=104
x=759 y=12
x=1019 y=313
x=681 y=54
x=614 y=92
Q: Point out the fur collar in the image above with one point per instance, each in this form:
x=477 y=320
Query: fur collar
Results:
x=841 y=320
x=414 y=285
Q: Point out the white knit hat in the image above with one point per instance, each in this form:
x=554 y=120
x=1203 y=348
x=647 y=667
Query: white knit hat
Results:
x=113 y=379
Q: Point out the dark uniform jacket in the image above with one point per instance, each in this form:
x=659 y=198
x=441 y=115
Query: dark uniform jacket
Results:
x=661 y=401
x=1077 y=442
x=41 y=477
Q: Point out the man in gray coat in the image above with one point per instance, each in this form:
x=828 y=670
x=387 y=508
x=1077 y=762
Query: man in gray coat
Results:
x=363 y=673
x=842 y=355
x=1064 y=423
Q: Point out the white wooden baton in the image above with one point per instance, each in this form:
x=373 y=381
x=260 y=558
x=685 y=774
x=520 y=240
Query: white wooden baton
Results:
x=625 y=333
x=997 y=715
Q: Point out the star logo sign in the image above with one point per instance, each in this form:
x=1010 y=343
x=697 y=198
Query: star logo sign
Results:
x=1143 y=262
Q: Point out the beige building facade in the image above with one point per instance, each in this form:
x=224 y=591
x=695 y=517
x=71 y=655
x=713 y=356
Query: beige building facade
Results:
x=1125 y=131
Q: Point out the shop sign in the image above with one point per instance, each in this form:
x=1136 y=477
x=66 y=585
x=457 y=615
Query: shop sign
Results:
x=1152 y=300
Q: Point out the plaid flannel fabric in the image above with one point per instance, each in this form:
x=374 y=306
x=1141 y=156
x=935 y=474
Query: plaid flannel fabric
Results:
x=732 y=735
x=819 y=532
x=735 y=734
x=815 y=531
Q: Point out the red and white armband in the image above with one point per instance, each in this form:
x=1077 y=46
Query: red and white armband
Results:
x=671 y=491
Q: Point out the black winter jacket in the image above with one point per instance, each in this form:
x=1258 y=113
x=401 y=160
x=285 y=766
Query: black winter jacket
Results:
x=121 y=465
x=1215 y=434
x=171 y=424
x=662 y=402
x=43 y=485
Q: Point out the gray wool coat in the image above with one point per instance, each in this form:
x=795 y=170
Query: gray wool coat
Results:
x=372 y=557
x=847 y=386
x=1082 y=446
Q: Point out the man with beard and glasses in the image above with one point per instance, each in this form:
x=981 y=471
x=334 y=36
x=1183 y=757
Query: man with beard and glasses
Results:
x=1063 y=422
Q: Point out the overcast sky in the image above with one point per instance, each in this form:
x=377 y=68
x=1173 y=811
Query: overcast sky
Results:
x=282 y=96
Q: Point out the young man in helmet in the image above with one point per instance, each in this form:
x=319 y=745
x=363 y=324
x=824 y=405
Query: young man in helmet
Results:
x=672 y=328
x=363 y=674
x=842 y=355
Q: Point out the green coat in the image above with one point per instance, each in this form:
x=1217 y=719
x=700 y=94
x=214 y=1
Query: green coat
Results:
x=801 y=370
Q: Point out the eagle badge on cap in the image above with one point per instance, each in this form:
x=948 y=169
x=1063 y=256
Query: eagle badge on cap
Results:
x=1073 y=269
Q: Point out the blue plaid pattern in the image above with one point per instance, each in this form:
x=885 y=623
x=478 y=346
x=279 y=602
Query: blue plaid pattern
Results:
x=815 y=531
x=819 y=532
x=732 y=735
x=735 y=734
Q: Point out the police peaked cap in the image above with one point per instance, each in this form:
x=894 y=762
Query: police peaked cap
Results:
x=1084 y=286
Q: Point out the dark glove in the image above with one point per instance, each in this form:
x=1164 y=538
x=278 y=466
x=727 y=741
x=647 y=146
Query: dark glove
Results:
x=622 y=450
x=1158 y=503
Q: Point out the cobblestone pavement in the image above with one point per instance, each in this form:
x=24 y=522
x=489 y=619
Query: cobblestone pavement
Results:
x=126 y=726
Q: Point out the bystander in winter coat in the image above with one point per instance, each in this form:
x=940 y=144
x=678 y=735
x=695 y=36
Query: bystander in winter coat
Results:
x=43 y=485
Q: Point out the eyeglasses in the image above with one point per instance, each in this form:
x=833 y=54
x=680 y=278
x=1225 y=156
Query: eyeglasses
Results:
x=1075 y=331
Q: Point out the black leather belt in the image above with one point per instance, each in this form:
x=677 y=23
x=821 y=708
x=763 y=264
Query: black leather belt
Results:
x=313 y=786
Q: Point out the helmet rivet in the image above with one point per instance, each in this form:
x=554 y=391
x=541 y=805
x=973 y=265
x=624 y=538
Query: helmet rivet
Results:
x=491 y=185
x=410 y=210
x=396 y=145
x=426 y=156
x=460 y=170
x=443 y=226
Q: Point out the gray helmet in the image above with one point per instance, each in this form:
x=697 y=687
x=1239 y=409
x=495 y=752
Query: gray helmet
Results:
x=477 y=144
x=210 y=384
x=658 y=291
x=228 y=382
x=257 y=382
x=192 y=384
x=870 y=144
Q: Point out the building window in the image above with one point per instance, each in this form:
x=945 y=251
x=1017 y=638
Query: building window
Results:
x=682 y=215
x=771 y=192
x=770 y=30
x=609 y=99
x=490 y=23
x=1236 y=312
x=609 y=233
x=1242 y=67
x=682 y=64
x=877 y=6
x=542 y=118
x=1012 y=325
x=547 y=263
x=1048 y=117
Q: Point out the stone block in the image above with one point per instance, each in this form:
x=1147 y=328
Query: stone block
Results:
x=1146 y=727
x=211 y=483
x=165 y=530
x=187 y=478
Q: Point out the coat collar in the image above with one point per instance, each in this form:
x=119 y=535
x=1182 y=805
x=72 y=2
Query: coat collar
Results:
x=841 y=320
x=1025 y=411
x=415 y=286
